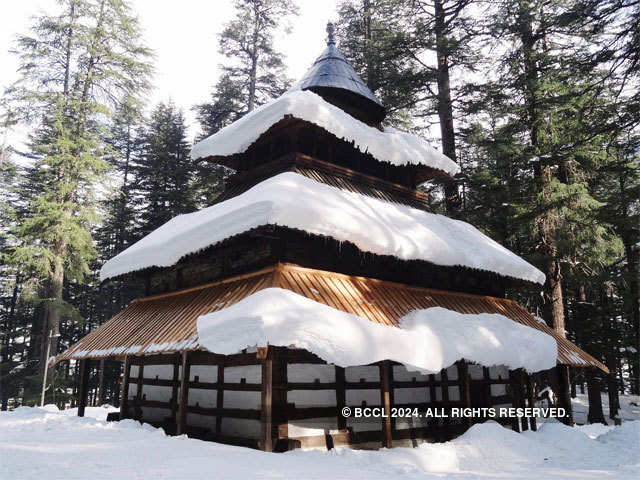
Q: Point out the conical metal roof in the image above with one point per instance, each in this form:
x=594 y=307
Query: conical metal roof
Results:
x=331 y=70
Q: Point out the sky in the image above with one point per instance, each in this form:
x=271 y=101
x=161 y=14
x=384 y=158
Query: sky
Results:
x=184 y=36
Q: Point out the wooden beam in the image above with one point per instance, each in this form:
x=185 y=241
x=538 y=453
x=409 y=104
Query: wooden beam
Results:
x=515 y=398
x=175 y=388
x=274 y=398
x=220 y=395
x=184 y=395
x=266 y=417
x=101 y=395
x=465 y=388
x=140 y=387
x=531 y=395
x=83 y=389
x=386 y=400
x=341 y=397
x=124 y=390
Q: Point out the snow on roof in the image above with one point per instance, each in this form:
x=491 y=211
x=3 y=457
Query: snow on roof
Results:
x=427 y=340
x=391 y=145
x=294 y=201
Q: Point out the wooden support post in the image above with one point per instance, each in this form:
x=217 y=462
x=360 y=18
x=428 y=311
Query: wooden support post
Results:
x=386 y=400
x=465 y=388
x=83 y=389
x=274 y=398
x=523 y=397
x=124 y=390
x=220 y=395
x=101 y=394
x=531 y=396
x=266 y=416
x=184 y=395
x=175 y=389
x=341 y=397
x=140 y=386
x=444 y=391
x=515 y=385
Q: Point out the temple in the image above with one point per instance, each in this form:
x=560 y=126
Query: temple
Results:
x=320 y=280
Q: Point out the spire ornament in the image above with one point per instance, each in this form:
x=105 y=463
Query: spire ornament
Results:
x=330 y=28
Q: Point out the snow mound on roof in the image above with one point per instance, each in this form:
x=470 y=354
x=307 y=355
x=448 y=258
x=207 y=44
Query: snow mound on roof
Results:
x=294 y=201
x=391 y=145
x=427 y=340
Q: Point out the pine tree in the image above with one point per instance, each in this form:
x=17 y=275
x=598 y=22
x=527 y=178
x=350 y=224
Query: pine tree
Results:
x=74 y=67
x=252 y=63
x=374 y=36
x=164 y=177
x=390 y=44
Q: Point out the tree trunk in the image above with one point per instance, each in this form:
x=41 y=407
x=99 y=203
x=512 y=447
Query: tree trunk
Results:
x=254 y=59
x=632 y=253
x=553 y=308
x=445 y=107
x=51 y=326
x=596 y=414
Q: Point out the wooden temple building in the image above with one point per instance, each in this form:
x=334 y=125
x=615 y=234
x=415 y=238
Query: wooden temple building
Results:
x=323 y=203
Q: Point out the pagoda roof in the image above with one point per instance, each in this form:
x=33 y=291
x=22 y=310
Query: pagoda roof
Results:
x=386 y=145
x=331 y=70
x=295 y=201
x=168 y=323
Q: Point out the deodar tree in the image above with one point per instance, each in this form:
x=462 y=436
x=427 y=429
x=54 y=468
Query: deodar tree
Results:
x=74 y=67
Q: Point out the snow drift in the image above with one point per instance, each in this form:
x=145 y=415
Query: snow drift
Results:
x=295 y=201
x=36 y=444
x=428 y=340
x=391 y=145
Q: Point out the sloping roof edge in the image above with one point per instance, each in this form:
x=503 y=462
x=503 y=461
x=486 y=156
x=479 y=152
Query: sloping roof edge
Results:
x=167 y=323
x=391 y=145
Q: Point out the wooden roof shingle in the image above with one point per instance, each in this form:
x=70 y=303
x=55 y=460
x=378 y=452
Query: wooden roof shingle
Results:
x=167 y=323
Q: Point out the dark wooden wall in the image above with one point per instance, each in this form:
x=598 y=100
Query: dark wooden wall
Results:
x=276 y=412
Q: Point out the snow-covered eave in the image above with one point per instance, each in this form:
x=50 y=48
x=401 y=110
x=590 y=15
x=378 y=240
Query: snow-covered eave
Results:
x=390 y=145
x=372 y=225
x=427 y=340
x=132 y=274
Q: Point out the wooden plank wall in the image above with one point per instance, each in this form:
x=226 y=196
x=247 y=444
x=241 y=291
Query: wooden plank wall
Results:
x=462 y=385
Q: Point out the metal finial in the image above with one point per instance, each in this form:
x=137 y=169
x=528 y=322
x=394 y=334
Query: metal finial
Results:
x=330 y=40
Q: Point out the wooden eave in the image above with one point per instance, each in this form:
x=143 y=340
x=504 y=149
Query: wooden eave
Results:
x=167 y=323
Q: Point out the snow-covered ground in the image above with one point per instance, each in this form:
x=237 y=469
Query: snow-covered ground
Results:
x=47 y=444
x=629 y=408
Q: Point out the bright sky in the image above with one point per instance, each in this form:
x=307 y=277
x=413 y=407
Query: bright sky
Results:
x=183 y=34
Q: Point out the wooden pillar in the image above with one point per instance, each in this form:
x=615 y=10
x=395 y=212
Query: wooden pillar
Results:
x=522 y=392
x=386 y=400
x=341 y=397
x=101 y=394
x=124 y=388
x=515 y=398
x=220 y=394
x=274 y=396
x=184 y=395
x=140 y=387
x=531 y=395
x=83 y=389
x=465 y=388
x=444 y=389
x=175 y=389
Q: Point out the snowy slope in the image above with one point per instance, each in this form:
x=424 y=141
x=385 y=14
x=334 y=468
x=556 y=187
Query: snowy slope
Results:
x=274 y=316
x=36 y=444
x=391 y=145
x=292 y=200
